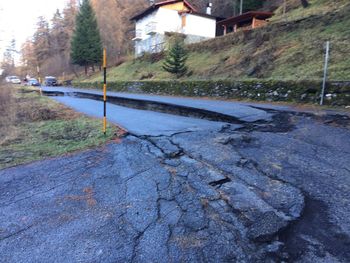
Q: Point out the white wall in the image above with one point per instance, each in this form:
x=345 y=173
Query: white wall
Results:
x=197 y=27
x=142 y=24
x=168 y=21
x=200 y=26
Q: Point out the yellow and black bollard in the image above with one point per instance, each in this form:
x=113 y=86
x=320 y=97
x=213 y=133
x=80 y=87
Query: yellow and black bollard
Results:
x=104 y=91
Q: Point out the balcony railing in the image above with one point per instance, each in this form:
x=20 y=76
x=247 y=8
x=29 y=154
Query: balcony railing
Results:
x=151 y=28
x=138 y=35
x=157 y=48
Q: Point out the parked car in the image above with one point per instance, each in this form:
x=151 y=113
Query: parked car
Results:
x=13 y=80
x=33 y=82
x=51 y=81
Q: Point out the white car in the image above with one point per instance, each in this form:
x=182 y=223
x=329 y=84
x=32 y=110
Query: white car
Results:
x=8 y=79
x=13 y=80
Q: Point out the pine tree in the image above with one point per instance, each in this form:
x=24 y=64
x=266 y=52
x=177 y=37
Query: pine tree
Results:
x=86 y=46
x=175 y=62
x=8 y=60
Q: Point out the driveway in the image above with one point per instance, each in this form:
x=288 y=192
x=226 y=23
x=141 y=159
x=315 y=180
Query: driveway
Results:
x=180 y=189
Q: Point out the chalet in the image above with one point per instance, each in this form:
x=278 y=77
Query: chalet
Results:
x=172 y=16
x=246 y=21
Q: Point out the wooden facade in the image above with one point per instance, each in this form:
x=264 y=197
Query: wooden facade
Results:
x=246 y=21
x=178 y=5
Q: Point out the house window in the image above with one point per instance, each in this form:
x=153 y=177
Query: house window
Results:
x=230 y=29
x=183 y=20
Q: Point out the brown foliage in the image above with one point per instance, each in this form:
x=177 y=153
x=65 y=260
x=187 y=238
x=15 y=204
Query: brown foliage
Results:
x=51 y=50
x=116 y=29
x=50 y=47
x=20 y=108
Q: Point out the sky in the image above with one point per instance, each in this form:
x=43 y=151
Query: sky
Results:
x=18 y=18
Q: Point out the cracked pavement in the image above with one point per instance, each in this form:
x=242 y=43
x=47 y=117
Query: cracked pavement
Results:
x=273 y=191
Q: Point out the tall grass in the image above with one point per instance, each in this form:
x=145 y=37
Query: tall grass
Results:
x=34 y=127
x=8 y=115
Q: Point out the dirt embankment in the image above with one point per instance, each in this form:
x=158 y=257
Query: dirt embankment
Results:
x=290 y=47
x=286 y=49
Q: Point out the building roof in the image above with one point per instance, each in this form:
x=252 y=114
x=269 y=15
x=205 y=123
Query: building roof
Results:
x=201 y=14
x=160 y=4
x=205 y=15
x=246 y=17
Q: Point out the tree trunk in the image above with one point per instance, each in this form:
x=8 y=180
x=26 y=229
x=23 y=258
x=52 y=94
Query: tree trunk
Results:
x=75 y=73
x=304 y=3
x=86 y=70
x=234 y=7
x=93 y=68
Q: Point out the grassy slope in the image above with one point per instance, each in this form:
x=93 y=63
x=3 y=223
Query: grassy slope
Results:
x=290 y=47
x=34 y=127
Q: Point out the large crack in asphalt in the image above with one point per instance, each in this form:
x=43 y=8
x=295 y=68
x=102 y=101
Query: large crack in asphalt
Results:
x=317 y=230
x=278 y=231
x=313 y=234
x=263 y=226
x=191 y=196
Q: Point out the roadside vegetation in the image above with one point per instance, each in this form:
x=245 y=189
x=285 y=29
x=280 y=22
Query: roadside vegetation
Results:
x=33 y=127
x=291 y=47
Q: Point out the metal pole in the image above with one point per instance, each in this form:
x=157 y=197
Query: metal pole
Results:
x=241 y=8
x=104 y=91
x=325 y=73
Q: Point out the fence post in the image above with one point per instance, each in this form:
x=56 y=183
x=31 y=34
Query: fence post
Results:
x=104 y=91
x=325 y=73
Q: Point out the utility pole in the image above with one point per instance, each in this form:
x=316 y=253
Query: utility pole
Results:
x=241 y=8
x=325 y=73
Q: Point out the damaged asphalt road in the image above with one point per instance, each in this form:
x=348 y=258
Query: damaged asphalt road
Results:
x=266 y=191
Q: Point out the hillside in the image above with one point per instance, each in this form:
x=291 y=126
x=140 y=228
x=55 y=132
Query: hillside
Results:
x=291 y=47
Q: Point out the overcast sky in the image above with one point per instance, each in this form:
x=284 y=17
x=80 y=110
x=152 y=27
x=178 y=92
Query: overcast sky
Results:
x=18 y=18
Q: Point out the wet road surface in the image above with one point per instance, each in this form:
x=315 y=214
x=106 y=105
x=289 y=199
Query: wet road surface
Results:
x=271 y=190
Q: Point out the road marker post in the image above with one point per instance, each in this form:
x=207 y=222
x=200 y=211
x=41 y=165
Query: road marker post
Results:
x=104 y=91
x=325 y=73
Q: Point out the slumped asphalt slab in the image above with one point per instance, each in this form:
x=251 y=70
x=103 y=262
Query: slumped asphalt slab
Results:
x=187 y=191
x=140 y=122
x=236 y=109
